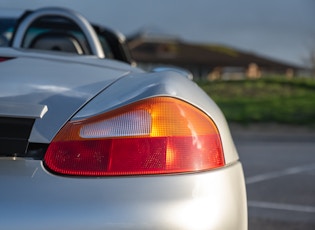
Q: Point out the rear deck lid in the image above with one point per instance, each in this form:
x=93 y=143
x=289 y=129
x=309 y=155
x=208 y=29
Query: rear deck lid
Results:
x=29 y=84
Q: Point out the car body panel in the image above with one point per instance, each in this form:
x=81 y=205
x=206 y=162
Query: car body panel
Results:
x=43 y=81
x=18 y=110
x=39 y=200
x=49 y=89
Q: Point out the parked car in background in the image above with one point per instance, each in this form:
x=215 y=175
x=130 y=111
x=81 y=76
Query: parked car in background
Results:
x=89 y=141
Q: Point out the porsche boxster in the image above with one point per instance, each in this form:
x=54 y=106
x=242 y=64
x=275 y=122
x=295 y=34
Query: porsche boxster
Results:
x=89 y=141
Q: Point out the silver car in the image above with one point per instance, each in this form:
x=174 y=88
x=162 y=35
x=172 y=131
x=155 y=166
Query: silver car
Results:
x=87 y=142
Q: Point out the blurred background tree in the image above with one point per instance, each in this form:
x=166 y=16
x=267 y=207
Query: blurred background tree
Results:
x=312 y=61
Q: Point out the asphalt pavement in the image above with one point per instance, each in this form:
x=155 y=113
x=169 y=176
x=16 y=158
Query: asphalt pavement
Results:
x=279 y=168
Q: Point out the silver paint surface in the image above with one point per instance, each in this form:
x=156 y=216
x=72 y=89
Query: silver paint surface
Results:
x=38 y=200
x=62 y=86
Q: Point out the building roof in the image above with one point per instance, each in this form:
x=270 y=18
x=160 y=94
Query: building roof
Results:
x=165 y=50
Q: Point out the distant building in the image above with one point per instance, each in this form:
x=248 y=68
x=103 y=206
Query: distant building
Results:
x=203 y=60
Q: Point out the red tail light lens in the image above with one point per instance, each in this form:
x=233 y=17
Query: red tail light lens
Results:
x=154 y=136
x=2 y=59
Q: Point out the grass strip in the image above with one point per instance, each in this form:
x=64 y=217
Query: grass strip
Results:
x=269 y=99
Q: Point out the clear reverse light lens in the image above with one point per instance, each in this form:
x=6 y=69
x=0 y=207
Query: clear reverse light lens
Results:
x=134 y=123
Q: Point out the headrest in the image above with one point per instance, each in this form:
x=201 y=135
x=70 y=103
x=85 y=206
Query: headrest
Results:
x=57 y=41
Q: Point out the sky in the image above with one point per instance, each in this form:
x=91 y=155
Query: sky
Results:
x=279 y=29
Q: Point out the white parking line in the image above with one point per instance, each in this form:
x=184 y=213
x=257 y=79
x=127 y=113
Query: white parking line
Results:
x=276 y=174
x=277 y=206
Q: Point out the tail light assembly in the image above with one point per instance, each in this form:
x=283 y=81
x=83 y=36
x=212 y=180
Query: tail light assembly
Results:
x=160 y=135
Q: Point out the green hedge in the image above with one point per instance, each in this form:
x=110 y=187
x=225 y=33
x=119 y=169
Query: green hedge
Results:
x=269 y=99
